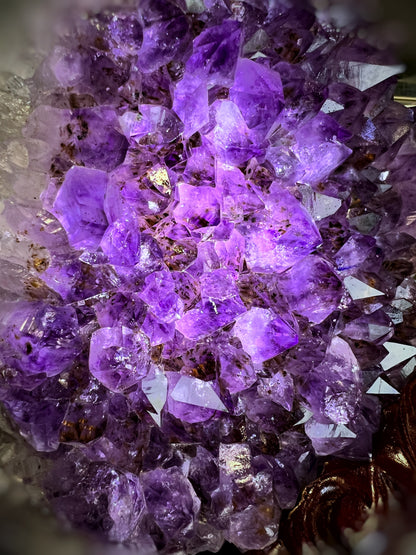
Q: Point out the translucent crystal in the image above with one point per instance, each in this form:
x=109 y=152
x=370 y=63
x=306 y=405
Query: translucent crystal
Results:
x=197 y=392
x=397 y=353
x=263 y=334
x=381 y=387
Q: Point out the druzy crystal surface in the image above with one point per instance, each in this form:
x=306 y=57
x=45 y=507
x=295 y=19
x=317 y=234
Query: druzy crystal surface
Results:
x=206 y=278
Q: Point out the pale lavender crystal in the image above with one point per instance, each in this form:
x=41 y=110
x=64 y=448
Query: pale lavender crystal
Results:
x=238 y=200
x=312 y=288
x=191 y=103
x=328 y=438
x=119 y=357
x=200 y=167
x=319 y=148
x=191 y=399
x=231 y=136
x=230 y=251
x=219 y=285
x=209 y=316
x=66 y=66
x=280 y=388
x=258 y=93
x=264 y=334
x=186 y=412
x=121 y=243
x=165 y=34
x=79 y=206
x=197 y=206
x=236 y=369
x=160 y=295
x=276 y=238
x=126 y=506
x=152 y=125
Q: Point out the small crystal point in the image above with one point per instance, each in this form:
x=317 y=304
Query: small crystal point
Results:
x=197 y=392
x=363 y=76
x=381 y=387
x=408 y=368
x=155 y=387
x=79 y=206
x=360 y=290
x=397 y=353
x=330 y=106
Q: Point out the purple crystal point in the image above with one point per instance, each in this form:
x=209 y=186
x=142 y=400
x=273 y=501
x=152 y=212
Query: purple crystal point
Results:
x=119 y=357
x=126 y=506
x=215 y=53
x=236 y=369
x=238 y=200
x=376 y=327
x=137 y=192
x=39 y=419
x=79 y=206
x=95 y=135
x=197 y=206
x=328 y=438
x=126 y=33
x=39 y=338
x=258 y=93
x=157 y=331
x=219 y=285
x=231 y=136
x=319 y=149
x=66 y=66
x=183 y=409
x=159 y=294
x=171 y=501
x=311 y=288
x=263 y=334
x=152 y=125
x=192 y=391
x=276 y=239
x=191 y=103
x=279 y=388
x=209 y=316
x=121 y=243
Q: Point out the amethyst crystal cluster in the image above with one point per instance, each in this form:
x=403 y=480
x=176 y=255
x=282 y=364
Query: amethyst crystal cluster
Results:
x=205 y=278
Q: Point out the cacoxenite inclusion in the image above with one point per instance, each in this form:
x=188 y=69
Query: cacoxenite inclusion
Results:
x=217 y=259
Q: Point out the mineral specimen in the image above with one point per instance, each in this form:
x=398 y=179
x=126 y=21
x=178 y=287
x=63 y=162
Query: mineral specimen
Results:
x=215 y=285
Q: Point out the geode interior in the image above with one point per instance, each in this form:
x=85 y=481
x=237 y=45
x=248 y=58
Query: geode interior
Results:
x=214 y=286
